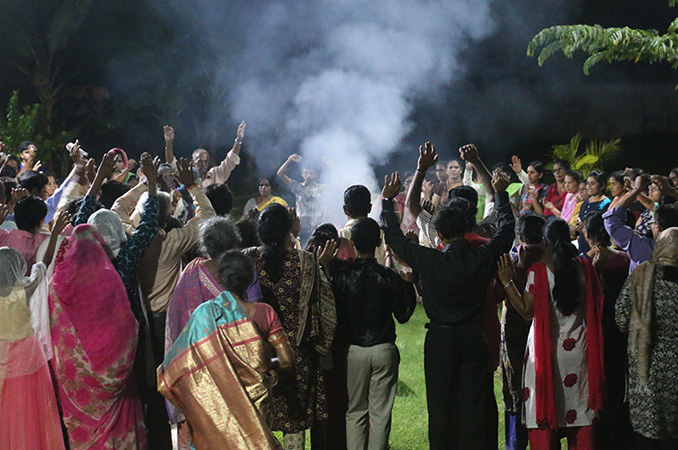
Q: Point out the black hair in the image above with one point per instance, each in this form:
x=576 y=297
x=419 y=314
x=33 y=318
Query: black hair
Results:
x=594 y=225
x=506 y=170
x=634 y=172
x=29 y=213
x=576 y=175
x=666 y=216
x=618 y=175
x=236 y=273
x=450 y=222
x=8 y=171
x=467 y=208
x=73 y=206
x=9 y=183
x=221 y=197
x=565 y=164
x=466 y=192
x=172 y=223
x=274 y=228
x=24 y=145
x=320 y=235
x=34 y=182
x=600 y=178
x=358 y=201
x=247 y=229
x=538 y=166
x=531 y=228
x=566 y=267
x=366 y=235
x=111 y=190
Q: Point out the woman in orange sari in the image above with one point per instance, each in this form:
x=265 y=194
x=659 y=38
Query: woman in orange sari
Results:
x=94 y=333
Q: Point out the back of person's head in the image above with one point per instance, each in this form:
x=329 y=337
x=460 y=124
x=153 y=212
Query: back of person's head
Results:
x=236 y=273
x=111 y=190
x=34 y=182
x=320 y=235
x=29 y=213
x=506 y=170
x=469 y=210
x=110 y=228
x=633 y=173
x=73 y=206
x=666 y=216
x=576 y=175
x=8 y=171
x=466 y=192
x=531 y=229
x=172 y=223
x=366 y=235
x=565 y=164
x=566 y=266
x=274 y=228
x=9 y=184
x=450 y=223
x=221 y=198
x=595 y=227
x=247 y=229
x=12 y=270
x=357 y=201
x=164 y=208
x=217 y=236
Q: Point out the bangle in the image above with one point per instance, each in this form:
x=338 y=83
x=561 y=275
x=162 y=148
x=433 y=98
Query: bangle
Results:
x=509 y=283
x=238 y=142
x=421 y=171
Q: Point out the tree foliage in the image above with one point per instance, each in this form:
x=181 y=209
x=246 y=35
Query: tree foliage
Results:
x=19 y=124
x=608 y=44
x=595 y=155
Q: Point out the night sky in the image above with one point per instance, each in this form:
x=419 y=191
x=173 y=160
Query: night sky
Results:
x=152 y=61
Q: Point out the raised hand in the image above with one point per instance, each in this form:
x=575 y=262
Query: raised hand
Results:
x=426 y=187
x=240 y=134
x=505 y=268
x=61 y=220
x=168 y=131
x=75 y=155
x=295 y=158
x=516 y=164
x=642 y=182
x=18 y=194
x=296 y=223
x=149 y=169
x=499 y=182
x=185 y=173
x=106 y=167
x=427 y=206
x=131 y=164
x=391 y=186
x=90 y=170
x=4 y=210
x=427 y=157
x=37 y=166
x=469 y=153
x=327 y=253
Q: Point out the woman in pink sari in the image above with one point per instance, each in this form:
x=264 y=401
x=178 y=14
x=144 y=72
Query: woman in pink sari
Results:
x=94 y=334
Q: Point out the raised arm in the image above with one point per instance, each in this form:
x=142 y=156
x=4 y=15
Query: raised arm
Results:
x=469 y=153
x=517 y=166
x=282 y=172
x=522 y=302
x=168 y=132
x=640 y=185
x=61 y=220
x=87 y=207
x=427 y=159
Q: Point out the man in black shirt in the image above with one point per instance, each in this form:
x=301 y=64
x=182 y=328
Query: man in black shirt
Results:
x=367 y=296
x=454 y=282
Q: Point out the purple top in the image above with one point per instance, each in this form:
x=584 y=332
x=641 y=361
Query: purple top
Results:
x=638 y=247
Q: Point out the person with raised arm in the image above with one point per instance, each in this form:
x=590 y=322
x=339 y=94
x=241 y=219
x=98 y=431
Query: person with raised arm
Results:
x=207 y=174
x=454 y=283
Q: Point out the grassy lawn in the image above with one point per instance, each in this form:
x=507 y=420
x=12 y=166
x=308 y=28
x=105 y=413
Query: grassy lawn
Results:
x=410 y=419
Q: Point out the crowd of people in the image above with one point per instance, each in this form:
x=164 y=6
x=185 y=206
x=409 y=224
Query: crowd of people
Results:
x=131 y=303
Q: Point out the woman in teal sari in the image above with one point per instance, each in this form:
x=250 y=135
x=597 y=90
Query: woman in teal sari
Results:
x=218 y=370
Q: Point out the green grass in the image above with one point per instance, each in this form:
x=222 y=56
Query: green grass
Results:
x=410 y=419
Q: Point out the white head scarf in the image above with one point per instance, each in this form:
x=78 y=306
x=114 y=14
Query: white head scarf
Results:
x=12 y=270
x=110 y=229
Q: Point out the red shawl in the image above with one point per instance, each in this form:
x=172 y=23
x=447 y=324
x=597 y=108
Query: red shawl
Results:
x=545 y=400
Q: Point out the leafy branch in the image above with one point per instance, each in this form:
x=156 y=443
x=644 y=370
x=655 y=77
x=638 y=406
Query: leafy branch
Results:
x=608 y=44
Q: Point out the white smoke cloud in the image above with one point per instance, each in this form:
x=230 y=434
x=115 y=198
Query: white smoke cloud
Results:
x=338 y=78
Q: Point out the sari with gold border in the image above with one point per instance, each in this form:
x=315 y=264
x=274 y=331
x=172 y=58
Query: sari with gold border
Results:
x=214 y=373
